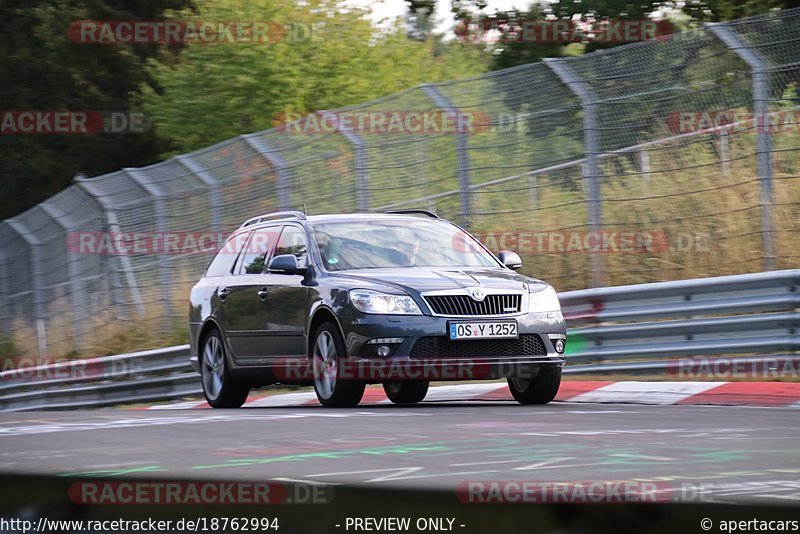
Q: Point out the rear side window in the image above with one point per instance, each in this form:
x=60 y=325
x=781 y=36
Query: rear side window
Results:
x=223 y=262
x=258 y=250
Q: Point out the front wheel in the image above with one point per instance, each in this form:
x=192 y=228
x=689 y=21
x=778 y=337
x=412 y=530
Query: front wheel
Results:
x=327 y=356
x=410 y=392
x=540 y=389
x=220 y=388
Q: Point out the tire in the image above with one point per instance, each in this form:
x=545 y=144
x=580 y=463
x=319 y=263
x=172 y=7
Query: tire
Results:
x=406 y=392
x=326 y=354
x=540 y=389
x=220 y=388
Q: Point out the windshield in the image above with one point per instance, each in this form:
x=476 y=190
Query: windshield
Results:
x=398 y=243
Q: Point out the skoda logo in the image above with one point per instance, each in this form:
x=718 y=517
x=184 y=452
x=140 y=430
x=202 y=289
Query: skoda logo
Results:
x=476 y=293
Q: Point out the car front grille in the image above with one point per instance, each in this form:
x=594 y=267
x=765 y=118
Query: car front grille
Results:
x=465 y=305
x=432 y=347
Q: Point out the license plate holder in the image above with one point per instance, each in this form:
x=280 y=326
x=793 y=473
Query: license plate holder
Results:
x=467 y=330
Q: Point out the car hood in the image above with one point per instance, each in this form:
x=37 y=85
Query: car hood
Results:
x=418 y=280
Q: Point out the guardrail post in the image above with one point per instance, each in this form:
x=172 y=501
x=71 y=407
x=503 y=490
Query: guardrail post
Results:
x=39 y=300
x=591 y=149
x=760 y=73
x=213 y=190
x=462 y=150
x=361 y=169
x=258 y=144
x=112 y=225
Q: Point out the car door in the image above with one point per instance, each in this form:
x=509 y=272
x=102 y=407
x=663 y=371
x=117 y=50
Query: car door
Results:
x=284 y=309
x=242 y=306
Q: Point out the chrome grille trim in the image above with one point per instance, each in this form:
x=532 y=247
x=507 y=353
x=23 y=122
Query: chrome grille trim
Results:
x=460 y=304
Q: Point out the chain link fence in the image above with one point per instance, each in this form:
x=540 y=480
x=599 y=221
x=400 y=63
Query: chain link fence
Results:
x=660 y=160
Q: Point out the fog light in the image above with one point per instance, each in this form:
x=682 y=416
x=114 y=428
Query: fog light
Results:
x=559 y=346
x=384 y=351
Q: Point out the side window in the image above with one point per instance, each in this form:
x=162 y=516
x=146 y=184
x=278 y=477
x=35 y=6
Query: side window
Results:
x=258 y=250
x=293 y=241
x=222 y=263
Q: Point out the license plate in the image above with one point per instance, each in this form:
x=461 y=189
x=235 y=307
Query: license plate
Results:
x=502 y=330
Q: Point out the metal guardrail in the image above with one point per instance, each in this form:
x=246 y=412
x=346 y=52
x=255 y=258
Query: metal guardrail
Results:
x=146 y=376
x=754 y=316
x=741 y=314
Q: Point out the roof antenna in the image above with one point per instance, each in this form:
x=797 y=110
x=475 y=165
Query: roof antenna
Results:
x=302 y=197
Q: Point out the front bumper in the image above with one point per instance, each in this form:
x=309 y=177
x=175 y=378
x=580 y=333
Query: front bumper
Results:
x=426 y=352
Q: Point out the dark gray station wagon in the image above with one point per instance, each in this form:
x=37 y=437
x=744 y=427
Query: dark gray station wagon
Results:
x=341 y=301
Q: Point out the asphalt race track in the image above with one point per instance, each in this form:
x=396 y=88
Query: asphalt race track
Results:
x=733 y=454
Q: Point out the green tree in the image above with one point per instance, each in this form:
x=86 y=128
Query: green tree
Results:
x=513 y=48
x=326 y=58
x=43 y=70
x=599 y=10
x=723 y=10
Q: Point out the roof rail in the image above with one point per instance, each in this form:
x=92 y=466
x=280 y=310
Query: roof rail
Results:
x=415 y=212
x=274 y=215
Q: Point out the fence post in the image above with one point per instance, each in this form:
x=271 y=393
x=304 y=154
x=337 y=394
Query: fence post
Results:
x=724 y=152
x=591 y=149
x=160 y=223
x=462 y=150
x=360 y=150
x=261 y=146
x=533 y=187
x=112 y=225
x=39 y=300
x=213 y=190
x=73 y=273
x=760 y=73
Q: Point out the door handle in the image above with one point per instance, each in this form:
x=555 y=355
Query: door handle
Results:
x=262 y=293
x=223 y=293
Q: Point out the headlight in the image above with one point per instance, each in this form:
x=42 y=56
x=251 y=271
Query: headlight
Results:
x=367 y=301
x=545 y=300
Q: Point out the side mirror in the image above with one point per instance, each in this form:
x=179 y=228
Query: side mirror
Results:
x=510 y=259
x=286 y=264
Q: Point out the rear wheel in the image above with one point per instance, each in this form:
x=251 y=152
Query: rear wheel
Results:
x=540 y=389
x=327 y=357
x=410 y=392
x=220 y=388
